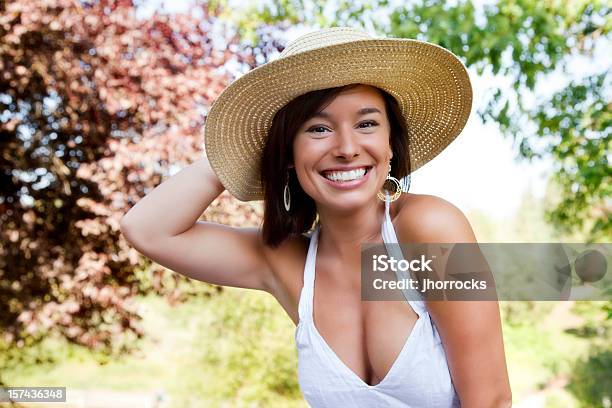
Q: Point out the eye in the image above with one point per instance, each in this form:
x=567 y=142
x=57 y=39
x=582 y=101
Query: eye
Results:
x=314 y=129
x=369 y=122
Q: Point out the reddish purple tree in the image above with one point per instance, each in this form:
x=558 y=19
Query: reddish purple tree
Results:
x=96 y=106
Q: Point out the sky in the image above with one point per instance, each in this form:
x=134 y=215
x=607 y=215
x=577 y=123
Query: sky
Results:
x=479 y=170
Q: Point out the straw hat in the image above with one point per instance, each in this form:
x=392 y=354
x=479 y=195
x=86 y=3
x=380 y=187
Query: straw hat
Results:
x=429 y=82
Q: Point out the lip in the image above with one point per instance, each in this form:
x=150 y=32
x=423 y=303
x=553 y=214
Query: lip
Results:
x=348 y=185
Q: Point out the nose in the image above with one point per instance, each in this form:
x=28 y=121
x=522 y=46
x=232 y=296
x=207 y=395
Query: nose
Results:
x=346 y=145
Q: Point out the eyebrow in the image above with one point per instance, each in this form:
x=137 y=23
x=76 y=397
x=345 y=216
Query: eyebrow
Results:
x=360 y=112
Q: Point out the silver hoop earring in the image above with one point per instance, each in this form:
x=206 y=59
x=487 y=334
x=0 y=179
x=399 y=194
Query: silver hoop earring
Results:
x=287 y=195
x=397 y=191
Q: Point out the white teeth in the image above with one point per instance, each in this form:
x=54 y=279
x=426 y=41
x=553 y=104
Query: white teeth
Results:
x=346 y=175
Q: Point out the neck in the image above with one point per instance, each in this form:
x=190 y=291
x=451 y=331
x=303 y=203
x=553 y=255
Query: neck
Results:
x=343 y=233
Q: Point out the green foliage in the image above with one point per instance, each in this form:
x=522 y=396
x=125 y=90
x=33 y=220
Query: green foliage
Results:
x=597 y=320
x=534 y=356
x=525 y=313
x=591 y=380
x=580 y=119
x=249 y=342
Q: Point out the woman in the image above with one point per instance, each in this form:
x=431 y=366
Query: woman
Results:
x=317 y=133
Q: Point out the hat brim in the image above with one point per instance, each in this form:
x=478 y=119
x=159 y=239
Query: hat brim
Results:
x=430 y=83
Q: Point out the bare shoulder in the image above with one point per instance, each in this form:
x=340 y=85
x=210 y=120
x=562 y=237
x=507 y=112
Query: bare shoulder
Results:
x=428 y=218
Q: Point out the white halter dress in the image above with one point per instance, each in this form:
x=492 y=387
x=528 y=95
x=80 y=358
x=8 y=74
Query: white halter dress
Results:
x=419 y=377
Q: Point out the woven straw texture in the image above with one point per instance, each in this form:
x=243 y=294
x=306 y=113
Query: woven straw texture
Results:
x=430 y=84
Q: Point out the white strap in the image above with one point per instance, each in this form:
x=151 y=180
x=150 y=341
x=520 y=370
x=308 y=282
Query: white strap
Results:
x=393 y=249
x=306 y=296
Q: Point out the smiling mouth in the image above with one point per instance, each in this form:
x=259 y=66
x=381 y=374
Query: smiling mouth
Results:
x=346 y=176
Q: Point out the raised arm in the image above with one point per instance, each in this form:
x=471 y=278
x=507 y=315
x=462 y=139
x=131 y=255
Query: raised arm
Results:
x=164 y=226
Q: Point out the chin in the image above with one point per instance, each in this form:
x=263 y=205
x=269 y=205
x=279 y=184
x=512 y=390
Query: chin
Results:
x=348 y=201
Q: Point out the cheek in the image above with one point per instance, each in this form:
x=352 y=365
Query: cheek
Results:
x=306 y=152
x=300 y=145
x=304 y=160
x=305 y=180
x=379 y=148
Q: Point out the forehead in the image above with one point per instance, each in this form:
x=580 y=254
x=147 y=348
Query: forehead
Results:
x=357 y=96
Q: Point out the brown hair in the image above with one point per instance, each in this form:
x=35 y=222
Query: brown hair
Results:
x=278 y=224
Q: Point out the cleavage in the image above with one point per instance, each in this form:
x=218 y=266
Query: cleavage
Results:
x=366 y=336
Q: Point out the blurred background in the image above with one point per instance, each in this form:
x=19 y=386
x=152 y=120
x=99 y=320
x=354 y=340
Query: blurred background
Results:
x=100 y=101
